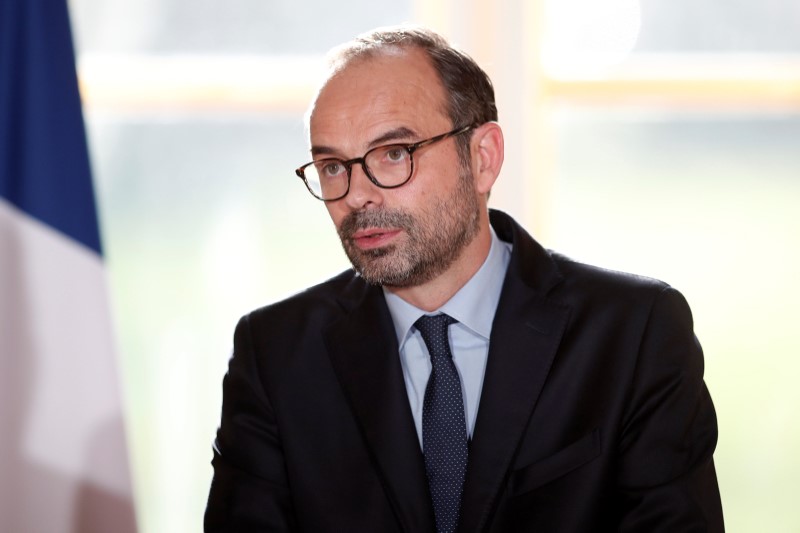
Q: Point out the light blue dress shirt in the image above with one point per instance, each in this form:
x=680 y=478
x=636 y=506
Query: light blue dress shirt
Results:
x=474 y=306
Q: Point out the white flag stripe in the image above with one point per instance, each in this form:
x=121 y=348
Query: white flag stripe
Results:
x=59 y=387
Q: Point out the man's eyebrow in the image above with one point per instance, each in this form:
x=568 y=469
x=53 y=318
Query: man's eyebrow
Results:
x=322 y=150
x=392 y=135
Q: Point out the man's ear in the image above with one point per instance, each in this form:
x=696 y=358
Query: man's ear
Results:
x=487 y=152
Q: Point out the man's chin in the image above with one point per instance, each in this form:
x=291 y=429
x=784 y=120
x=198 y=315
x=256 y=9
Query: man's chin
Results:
x=376 y=268
x=362 y=259
x=393 y=276
x=383 y=279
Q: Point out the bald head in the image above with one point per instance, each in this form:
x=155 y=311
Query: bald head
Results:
x=469 y=94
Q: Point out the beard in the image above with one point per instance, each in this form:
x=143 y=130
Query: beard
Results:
x=435 y=238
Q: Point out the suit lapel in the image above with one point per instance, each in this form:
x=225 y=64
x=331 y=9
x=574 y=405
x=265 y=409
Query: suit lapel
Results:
x=525 y=336
x=526 y=332
x=364 y=353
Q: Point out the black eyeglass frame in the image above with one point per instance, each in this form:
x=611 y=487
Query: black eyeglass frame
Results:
x=348 y=165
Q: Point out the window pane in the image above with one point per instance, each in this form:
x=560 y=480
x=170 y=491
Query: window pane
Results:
x=586 y=38
x=719 y=26
x=230 y=26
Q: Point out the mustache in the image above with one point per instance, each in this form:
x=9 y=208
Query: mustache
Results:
x=374 y=218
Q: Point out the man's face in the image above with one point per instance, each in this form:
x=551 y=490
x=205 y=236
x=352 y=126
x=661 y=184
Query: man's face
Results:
x=407 y=236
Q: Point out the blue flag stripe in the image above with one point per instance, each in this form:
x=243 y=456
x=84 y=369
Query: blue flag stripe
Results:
x=44 y=162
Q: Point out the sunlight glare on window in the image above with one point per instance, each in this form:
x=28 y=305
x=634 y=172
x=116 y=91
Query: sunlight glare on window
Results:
x=584 y=38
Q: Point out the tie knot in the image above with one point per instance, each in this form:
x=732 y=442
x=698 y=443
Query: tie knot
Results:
x=434 y=332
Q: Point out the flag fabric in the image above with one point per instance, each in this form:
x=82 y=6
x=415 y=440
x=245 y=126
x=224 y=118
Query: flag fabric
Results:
x=63 y=454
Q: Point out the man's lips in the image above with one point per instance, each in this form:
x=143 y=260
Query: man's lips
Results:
x=374 y=237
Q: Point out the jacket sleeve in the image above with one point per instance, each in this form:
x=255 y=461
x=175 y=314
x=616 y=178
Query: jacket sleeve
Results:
x=666 y=475
x=249 y=490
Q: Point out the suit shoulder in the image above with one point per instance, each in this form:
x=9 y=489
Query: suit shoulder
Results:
x=604 y=282
x=315 y=299
x=620 y=297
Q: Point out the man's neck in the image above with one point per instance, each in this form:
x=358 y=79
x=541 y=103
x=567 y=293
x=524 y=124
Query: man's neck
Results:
x=435 y=293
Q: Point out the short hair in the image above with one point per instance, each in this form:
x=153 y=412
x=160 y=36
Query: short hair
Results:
x=469 y=91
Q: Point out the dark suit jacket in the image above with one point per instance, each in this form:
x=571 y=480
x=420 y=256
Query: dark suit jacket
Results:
x=593 y=414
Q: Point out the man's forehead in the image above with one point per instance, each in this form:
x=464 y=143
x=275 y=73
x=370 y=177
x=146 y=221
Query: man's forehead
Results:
x=343 y=59
x=375 y=78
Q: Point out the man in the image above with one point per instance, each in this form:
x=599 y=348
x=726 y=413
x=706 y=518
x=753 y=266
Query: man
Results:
x=461 y=377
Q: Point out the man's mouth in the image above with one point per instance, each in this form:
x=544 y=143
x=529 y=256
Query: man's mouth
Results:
x=374 y=237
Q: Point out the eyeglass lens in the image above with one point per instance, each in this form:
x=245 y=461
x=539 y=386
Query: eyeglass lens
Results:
x=388 y=165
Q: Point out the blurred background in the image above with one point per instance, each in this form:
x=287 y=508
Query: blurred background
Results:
x=653 y=136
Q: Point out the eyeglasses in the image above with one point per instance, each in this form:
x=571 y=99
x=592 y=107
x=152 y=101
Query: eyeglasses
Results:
x=388 y=167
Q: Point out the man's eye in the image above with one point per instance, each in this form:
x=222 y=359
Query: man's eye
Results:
x=396 y=153
x=331 y=168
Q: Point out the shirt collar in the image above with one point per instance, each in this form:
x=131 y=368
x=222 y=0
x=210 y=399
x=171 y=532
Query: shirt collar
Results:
x=474 y=304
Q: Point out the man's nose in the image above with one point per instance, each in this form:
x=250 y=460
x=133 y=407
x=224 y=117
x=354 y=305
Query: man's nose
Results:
x=363 y=192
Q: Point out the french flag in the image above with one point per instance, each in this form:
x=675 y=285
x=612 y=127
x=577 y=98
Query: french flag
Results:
x=63 y=455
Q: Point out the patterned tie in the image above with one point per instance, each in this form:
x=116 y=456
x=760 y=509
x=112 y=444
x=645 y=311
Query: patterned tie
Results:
x=444 y=432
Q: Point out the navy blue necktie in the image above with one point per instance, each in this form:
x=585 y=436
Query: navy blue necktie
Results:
x=444 y=431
